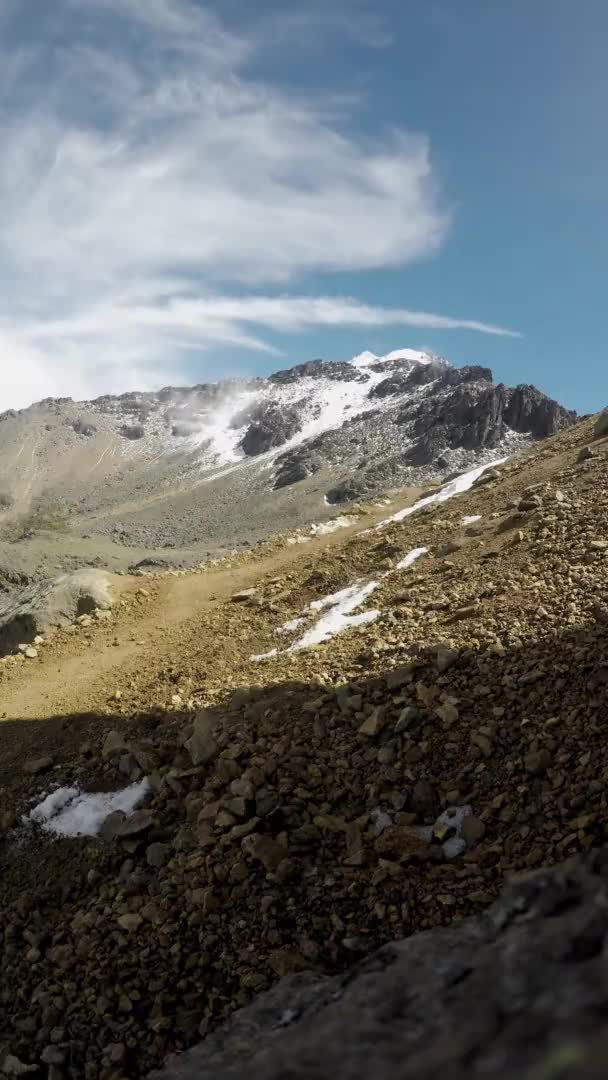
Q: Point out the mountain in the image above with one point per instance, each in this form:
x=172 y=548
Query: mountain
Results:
x=222 y=464
x=257 y=774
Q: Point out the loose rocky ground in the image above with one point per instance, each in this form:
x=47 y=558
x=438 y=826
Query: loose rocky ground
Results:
x=519 y=992
x=297 y=817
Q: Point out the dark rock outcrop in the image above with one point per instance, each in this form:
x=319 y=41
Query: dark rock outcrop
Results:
x=132 y=431
x=319 y=369
x=182 y=429
x=270 y=426
x=84 y=427
x=477 y=415
x=519 y=993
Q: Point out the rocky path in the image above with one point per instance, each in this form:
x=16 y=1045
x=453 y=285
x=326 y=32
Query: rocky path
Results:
x=157 y=618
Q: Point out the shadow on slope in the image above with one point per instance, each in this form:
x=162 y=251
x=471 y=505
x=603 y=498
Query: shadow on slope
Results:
x=290 y=846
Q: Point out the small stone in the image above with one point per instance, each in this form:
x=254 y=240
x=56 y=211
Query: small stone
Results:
x=111 y=824
x=465 y=612
x=130 y=922
x=482 y=742
x=31 y=653
x=286 y=962
x=243 y=595
x=424 y=799
x=113 y=743
x=374 y=723
x=206 y=899
x=52 y=1055
x=236 y=807
x=595 y=545
x=38 y=765
x=387 y=754
x=538 y=761
x=137 y=823
x=401 y=676
x=451 y=547
x=380 y=821
x=408 y=716
x=12 y=1066
x=264 y=849
x=448 y=713
x=446 y=658
x=158 y=854
x=402 y=840
x=473 y=830
x=531 y=502
x=117 y=1053
x=244 y=788
x=201 y=746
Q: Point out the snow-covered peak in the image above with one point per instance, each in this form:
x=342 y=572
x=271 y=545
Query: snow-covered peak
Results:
x=366 y=358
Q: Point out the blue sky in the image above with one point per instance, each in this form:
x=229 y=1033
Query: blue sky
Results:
x=191 y=189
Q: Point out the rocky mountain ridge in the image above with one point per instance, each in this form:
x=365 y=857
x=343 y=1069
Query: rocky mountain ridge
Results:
x=190 y=465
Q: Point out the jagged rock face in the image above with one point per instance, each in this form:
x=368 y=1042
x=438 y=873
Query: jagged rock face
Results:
x=270 y=426
x=426 y=412
x=477 y=415
x=318 y=369
x=517 y=994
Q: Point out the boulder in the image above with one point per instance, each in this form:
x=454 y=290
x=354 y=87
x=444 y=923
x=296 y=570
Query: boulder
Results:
x=601 y=425
x=36 y=608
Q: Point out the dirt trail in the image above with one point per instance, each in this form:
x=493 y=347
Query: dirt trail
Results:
x=80 y=672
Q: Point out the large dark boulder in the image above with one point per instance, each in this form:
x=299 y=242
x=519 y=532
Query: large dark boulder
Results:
x=271 y=425
x=520 y=993
x=83 y=427
x=132 y=431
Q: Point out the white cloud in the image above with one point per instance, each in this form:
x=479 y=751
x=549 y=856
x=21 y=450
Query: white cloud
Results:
x=144 y=175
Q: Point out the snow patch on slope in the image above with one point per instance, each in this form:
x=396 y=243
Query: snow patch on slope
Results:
x=338 y=617
x=70 y=812
x=457 y=486
x=411 y=557
x=366 y=358
x=341 y=604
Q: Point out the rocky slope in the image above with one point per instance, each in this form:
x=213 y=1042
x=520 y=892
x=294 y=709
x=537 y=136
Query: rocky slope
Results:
x=306 y=808
x=236 y=461
x=516 y=994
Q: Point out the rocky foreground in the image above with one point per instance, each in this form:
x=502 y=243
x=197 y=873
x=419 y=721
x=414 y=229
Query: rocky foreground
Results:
x=312 y=807
x=518 y=993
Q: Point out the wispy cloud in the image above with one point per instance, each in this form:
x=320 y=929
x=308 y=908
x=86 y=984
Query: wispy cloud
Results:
x=150 y=189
